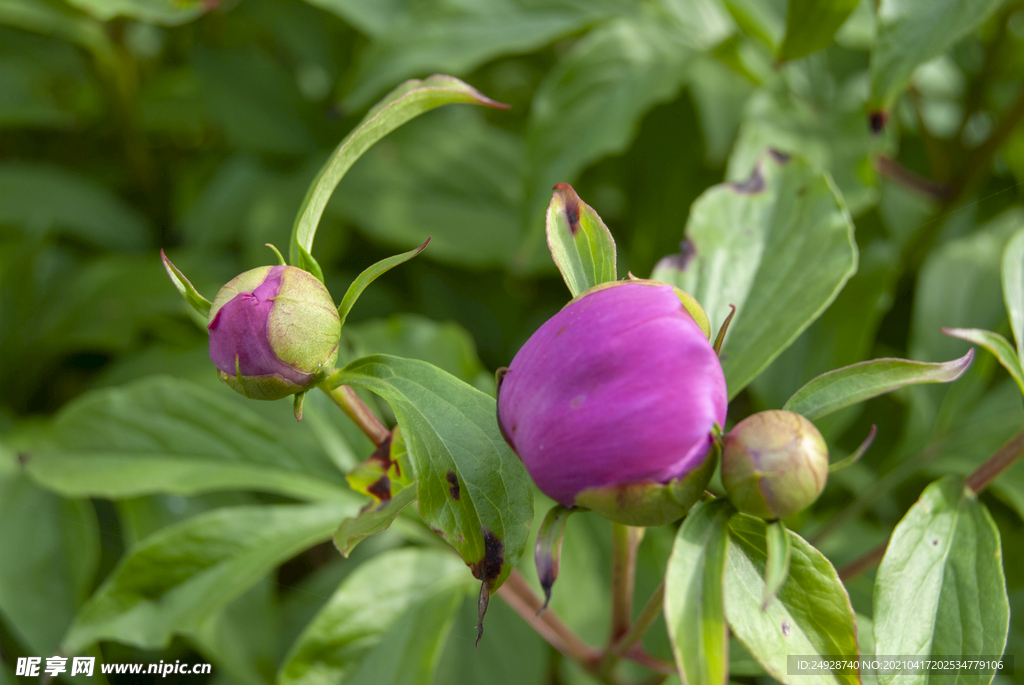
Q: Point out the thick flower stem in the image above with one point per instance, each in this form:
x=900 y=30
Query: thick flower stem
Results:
x=354 y=407
x=1002 y=459
x=625 y=540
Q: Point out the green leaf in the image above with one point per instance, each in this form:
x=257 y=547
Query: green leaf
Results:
x=51 y=552
x=450 y=175
x=940 y=588
x=911 y=32
x=580 y=243
x=42 y=199
x=779 y=247
x=834 y=390
x=810 y=25
x=187 y=290
x=588 y=106
x=811 y=614
x=780 y=552
x=164 y=435
x=177 y=578
x=694 y=610
x=409 y=100
x=386 y=623
x=997 y=345
x=460 y=38
x=369 y=275
x=372 y=521
x=1013 y=287
x=471 y=487
x=165 y=12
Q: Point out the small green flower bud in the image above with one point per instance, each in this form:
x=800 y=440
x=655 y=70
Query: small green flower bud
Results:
x=774 y=463
x=274 y=331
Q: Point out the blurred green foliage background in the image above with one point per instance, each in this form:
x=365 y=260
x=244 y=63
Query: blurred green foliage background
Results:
x=131 y=125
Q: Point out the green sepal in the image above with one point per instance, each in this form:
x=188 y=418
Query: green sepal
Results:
x=280 y=257
x=776 y=568
x=651 y=504
x=581 y=245
x=369 y=275
x=297 y=399
x=548 y=550
x=187 y=290
x=307 y=262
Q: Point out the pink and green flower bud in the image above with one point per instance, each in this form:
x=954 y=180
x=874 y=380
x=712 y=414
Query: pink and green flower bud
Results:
x=611 y=404
x=274 y=331
x=774 y=463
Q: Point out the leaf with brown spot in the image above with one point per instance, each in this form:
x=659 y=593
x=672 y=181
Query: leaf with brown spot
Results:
x=450 y=427
x=778 y=255
x=382 y=476
x=580 y=243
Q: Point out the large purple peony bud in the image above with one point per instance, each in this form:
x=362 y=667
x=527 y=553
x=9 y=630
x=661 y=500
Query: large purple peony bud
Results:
x=774 y=463
x=274 y=331
x=614 y=397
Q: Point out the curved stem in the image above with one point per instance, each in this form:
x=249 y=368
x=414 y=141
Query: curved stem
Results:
x=354 y=407
x=647 y=617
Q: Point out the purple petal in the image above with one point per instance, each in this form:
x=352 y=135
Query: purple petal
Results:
x=239 y=329
x=621 y=386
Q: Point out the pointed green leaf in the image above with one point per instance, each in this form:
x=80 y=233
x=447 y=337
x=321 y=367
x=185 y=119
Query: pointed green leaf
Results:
x=834 y=390
x=306 y=261
x=409 y=100
x=811 y=614
x=187 y=290
x=778 y=246
x=472 y=489
x=387 y=623
x=776 y=569
x=178 y=577
x=580 y=243
x=997 y=345
x=940 y=588
x=369 y=275
x=171 y=436
x=911 y=32
x=372 y=520
x=694 y=610
x=810 y=25
x=1013 y=287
